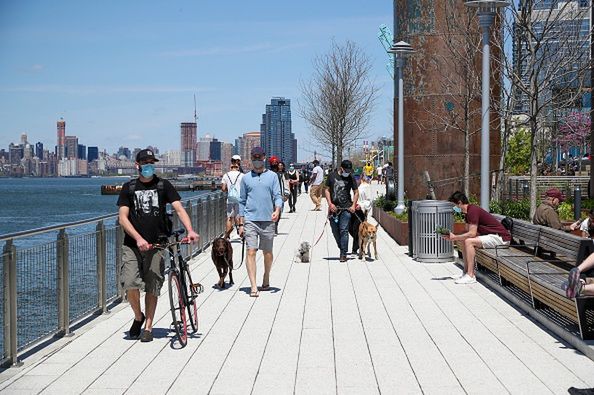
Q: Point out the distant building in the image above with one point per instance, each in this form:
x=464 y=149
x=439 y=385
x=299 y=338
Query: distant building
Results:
x=203 y=148
x=71 y=143
x=82 y=151
x=15 y=154
x=248 y=141
x=227 y=151
x=124 y=151
x=215 y=150
x=39 y=150
x=92 y=153
x=276 y=136
x=61 y=147
x=188 y=143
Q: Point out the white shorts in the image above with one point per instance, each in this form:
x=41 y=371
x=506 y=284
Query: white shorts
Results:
x=232 y=210
x=492 y=241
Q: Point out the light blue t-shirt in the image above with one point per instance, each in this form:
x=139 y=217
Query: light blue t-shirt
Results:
x=258 y=191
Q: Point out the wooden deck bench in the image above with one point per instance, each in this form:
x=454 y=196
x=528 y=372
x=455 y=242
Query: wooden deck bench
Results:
x=537 y=261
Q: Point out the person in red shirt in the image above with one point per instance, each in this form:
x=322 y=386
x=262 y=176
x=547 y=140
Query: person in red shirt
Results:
x=483 y=231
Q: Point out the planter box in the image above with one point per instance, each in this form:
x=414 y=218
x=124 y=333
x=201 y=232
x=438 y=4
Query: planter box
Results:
x=397 y=229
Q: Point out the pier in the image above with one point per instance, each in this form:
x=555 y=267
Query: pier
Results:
x=392 y=325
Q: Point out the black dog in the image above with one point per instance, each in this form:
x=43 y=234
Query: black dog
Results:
x=222 y=257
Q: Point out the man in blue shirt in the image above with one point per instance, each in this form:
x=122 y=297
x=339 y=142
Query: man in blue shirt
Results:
x=260 y=205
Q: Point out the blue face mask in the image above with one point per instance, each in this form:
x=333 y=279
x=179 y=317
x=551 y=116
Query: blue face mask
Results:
x=457 y=209
x=147 y=170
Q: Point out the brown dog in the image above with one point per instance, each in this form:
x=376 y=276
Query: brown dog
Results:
x=367 y=234
x=222 y=257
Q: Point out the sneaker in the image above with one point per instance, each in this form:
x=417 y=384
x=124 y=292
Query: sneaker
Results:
x=466 y=279
x=343 y=258
x=458 y=276
x=135 y=328
x=147 y=336
x=574 y=284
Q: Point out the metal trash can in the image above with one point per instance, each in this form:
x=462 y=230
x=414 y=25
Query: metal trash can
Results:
x=426 y=216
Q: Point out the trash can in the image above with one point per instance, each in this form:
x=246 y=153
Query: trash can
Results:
x=426 y=216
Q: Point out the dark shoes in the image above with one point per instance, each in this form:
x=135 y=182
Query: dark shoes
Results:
x=135 y=328
x=147 y=336
x=343 y=258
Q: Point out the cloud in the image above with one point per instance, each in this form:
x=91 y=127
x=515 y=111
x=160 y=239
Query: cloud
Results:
x=231 y=50
x=33 y=69
x=102 y=89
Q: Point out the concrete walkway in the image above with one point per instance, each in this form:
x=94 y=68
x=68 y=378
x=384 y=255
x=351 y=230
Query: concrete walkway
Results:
x=388 y=326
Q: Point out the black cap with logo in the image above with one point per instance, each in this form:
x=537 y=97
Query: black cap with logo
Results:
x=145 y=154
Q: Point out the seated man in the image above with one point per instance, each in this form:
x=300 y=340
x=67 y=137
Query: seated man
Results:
x=546 y=214
x=484 y=231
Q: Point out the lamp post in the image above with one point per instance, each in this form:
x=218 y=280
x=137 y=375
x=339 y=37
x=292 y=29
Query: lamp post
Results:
x=486 y=13
x=400 y=50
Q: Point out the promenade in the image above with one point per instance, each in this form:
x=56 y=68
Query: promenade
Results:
x=392 y=326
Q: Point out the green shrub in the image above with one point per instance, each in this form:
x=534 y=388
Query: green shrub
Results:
x=565 y=211
x=519 y=209
x=389 y=205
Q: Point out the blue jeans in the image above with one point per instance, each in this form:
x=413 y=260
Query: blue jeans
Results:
x=340 y=230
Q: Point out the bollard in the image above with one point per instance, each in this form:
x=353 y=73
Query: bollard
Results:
x=525 y=189
x=63 y=284
x=577 y=202
x=10 y=304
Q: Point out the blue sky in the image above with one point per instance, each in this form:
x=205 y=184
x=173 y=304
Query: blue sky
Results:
x=125 y=72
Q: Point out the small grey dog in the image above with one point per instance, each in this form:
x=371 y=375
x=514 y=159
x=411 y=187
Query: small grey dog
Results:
x=303 y=252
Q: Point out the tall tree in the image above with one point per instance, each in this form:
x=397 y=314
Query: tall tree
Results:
x=338 y=100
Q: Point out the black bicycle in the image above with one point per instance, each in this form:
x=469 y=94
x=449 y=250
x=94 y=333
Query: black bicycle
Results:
x=182 y=291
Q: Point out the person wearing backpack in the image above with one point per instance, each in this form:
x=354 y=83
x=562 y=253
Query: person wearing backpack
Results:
x=231 y=183
x=143 y=216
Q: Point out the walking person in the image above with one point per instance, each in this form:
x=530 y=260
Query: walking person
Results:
x=259 y=209
x=341 y=205
x=315 y=190
x=143 y=216
x=362 y=208
x=293 y=177
x=306 y=176
x=278 y=167
x=231 y=183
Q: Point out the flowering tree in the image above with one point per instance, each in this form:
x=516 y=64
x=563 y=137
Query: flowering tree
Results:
x=574 y=132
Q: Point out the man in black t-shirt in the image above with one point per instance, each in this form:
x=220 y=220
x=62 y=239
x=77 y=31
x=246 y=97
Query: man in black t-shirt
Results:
x=338 y=195
x=142 y=215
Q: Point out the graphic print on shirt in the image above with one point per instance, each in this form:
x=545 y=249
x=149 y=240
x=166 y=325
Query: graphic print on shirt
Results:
x=341 y=194
x=147 y=202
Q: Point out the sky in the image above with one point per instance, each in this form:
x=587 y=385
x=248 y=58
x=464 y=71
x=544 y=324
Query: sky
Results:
x=124 y=73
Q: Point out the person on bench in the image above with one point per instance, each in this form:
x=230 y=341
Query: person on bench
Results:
x=577 y=286
x=546 y=214
x=483 y=231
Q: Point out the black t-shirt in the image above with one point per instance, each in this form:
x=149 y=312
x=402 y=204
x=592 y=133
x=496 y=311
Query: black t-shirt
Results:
x=147 y=208
x=340 y=189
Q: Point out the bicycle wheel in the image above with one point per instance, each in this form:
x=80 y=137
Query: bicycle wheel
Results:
x=178 y=311
x=192 y=291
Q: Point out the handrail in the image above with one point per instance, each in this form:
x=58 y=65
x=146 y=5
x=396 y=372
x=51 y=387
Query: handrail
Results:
x=36 y=231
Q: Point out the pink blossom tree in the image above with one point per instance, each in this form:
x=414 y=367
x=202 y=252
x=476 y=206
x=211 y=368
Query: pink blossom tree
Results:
x=574 y=132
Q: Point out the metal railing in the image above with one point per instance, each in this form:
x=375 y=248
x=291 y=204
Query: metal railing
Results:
x=518 y=187
x=56 y=276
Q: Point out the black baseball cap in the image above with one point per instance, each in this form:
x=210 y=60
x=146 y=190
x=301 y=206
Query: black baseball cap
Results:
x=258 y=152
x=145 y=154
x=346 y=165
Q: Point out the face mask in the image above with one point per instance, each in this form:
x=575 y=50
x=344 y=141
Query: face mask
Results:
x=291 y=168
x=345 y=174
x=457 y=210
x=147 y=170
x=258 y=164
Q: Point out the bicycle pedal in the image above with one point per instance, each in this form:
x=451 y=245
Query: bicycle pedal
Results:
x=197 y=288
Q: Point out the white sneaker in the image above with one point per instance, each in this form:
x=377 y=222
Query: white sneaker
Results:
x=466 y=279
x=457 y=276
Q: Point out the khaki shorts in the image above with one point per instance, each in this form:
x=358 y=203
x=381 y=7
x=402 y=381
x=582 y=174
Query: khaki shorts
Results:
x=142 y=270
x=262 y=230
x=492 y=241
x=232 y=210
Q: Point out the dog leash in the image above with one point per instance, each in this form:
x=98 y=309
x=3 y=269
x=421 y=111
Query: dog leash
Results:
x=338 y=210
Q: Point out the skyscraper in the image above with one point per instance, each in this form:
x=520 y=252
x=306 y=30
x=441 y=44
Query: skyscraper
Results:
x=276 y=136
x=248 y=141
x=39 y=150
x=61 y=152
x=188 y=144
x=92 y=153
x=71 y=147
x=82 y=151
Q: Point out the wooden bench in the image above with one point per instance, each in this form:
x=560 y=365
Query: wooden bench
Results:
x=537 y=261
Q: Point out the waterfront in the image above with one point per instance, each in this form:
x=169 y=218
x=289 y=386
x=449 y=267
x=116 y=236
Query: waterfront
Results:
x=30 y=203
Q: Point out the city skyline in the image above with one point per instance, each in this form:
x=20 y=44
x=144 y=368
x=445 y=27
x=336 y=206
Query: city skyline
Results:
x=126 y=73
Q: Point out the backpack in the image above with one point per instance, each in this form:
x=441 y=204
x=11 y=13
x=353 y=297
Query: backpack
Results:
x=233 y=191
x=508 y=223
x=161 y=192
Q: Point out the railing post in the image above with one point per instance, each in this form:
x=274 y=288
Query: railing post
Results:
x=118 y=248
x=101 y=267
x=189 y=247
x=10 y=303
x=63 y=284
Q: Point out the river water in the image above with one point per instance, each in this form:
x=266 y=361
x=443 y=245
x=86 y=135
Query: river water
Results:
x=29 y=203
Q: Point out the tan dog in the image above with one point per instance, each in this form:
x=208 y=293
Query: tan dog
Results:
x=367 y=234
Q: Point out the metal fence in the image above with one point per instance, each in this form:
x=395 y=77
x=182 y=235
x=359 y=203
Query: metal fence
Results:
x=518 y=187
x=56 y=276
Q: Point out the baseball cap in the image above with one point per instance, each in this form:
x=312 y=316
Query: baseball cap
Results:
x=555 y=193
x=145 y=154
x=236 y=157
x=258 y=152
x=346 y=165
x=273 y=160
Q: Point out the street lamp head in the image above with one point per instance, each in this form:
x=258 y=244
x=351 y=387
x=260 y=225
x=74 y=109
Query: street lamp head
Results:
x=486 y=5
x=401 y=48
